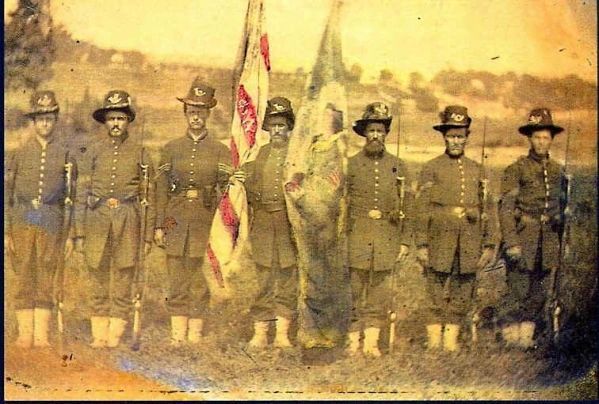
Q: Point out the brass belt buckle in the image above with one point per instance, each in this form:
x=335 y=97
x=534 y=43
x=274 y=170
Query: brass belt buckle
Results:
x=36 y=203
x=375 y=214
x=459 y=211
x=113 y=203
x=192 y=194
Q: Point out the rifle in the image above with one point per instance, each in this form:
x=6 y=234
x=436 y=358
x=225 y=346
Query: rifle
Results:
x=564 y=248
x=58 y=282
x=483 y=197
x=139 y=279
x=401 y=192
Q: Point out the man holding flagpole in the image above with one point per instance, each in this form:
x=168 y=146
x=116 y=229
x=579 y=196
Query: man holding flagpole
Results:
x=271 y=236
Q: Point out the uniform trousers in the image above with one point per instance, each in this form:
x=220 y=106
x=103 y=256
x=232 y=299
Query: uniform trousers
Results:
x=111 y=293
x=371 y=298
x=34 y=269
x=277 y=291
x=451 y=295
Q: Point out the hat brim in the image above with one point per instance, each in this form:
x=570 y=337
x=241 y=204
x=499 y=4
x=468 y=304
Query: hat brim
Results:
x=42 y=111
x=527 y=130
x=289 y=115
x=100 y=114
x=442 y=127
x=194 y=103
x=359 y=126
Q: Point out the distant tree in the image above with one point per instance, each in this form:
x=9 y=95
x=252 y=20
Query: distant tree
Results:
x=28 y=45
x=416 y=80
x=355 y=73
x=385 y=75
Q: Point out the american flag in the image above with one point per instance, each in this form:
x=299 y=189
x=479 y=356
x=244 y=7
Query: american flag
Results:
x=229 y=229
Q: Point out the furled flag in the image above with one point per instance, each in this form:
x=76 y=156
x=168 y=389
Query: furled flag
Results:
x=251 y=76
x=315 y=169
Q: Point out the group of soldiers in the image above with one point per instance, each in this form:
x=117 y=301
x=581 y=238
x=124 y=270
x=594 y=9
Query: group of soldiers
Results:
x=109 y=202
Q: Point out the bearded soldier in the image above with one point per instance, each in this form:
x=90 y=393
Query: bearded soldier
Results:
x=35 y=191
x=375 y=240
x=110 y=234
x=531 y=217
x=187 y=191
x=451 y=243
x=273 y=247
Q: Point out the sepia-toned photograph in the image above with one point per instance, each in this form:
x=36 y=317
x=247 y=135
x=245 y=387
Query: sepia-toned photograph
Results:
x=300 y=200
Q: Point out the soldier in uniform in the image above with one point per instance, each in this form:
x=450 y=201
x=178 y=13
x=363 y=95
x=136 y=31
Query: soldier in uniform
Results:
x=187 y=191
x=109 y=236
x=451 y=243
x=273 y=248
x=35 y=194
x=530 y=215
x=375 y=240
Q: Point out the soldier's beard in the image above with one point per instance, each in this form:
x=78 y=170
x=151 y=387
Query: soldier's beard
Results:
x=278 y=141
x=374 y=148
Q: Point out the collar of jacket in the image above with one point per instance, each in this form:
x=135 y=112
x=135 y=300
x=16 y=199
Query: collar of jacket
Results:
x=36 y=139
x=119 y=139
x=537 y=157
x=461 y=156
x=373 y=156
x=202 y=136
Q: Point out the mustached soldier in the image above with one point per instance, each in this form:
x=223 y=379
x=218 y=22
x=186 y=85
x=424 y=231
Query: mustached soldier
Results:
x=111 y=226
x=449 y=235
x=35 y=190
x=531 y=217
x=187 y=190
x=273 y=248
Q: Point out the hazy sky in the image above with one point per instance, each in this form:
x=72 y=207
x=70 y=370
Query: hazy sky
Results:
x=402 y=35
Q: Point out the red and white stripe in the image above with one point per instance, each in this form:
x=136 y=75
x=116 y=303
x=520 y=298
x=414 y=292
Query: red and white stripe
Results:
x=230 y=224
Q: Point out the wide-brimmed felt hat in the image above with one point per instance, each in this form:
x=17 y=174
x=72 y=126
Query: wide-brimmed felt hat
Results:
x=43 y=102
x=540 y=119
x=278 y=106
x=199 y=95
x=374 y=112
x=115 y=100
x=454 y=116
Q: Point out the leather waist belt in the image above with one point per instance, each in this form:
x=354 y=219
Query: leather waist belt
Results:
x=115 y=203
x=534 y=218
x=271 y=206
x=35 y=203
x=374 y=214
x=189 y=194
x=457 y=211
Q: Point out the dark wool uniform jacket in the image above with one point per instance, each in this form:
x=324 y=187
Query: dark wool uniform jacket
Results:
x=524 y=193
x=270 y=230
x=449 y=216
x=372 y=185
x=114 y=175
x=34 y=174
x=189 y=168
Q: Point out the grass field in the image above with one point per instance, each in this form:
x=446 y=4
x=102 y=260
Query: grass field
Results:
x=221 y=367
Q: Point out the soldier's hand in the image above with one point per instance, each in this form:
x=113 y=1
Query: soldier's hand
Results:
x=69 y=246
x=238 y=175
x=514 y=253
x=335 y=178
x=147 y=248
x=485 y=258
x=422 y=256
x=160 y=238
x=79 y=245
x=404 y=250
x=9 y=244
x=395 y=216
